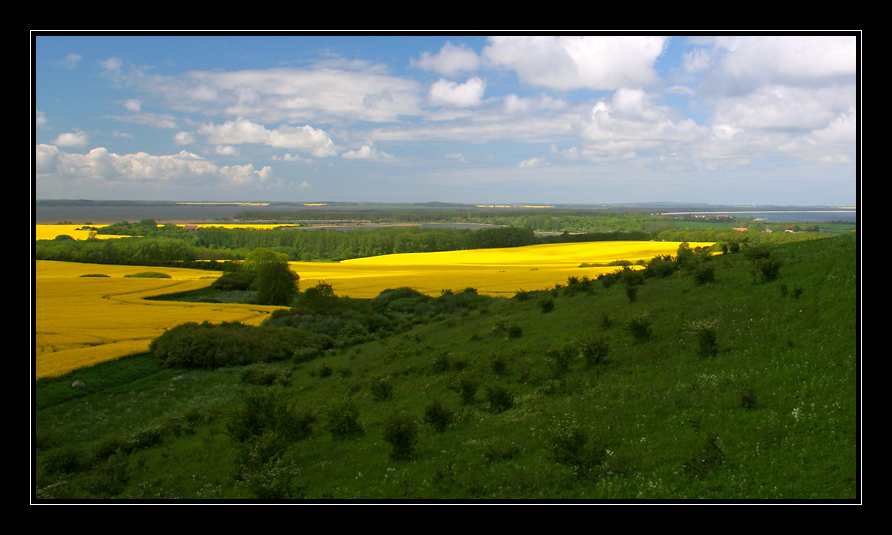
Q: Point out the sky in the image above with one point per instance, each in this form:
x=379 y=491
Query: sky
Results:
x=597 y=119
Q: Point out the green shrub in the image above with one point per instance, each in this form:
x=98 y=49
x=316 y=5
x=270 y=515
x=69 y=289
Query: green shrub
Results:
x=94 y=275
x=500 y=398
x=468 y=387
x=546 y=304
x=269 y=410
x=149 y=275
x=593 y=350
x=641 y=327
x=67 y=458
x=707 y=339
x=381 y=388
x=343 y=420
x=438 y=416
x=401 y=432
x=261 y=374
x=571 y=446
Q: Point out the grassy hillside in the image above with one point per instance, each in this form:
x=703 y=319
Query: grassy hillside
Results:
x=735 y=388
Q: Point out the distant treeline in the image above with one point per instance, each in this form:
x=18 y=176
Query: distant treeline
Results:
x=167 y=244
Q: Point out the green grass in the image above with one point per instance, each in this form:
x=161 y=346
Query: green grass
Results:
x=773 y=415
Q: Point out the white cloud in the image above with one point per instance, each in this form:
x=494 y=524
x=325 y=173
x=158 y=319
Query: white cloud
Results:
x=466 y=95
x=533 y=162
x=305 y=138
x=99 y=166
x=40 y=120
x=74 y=140
x=133 y=104
x=226 y=150
x=457 y=156
x=565 y=63
x=782 y=107
x=292 y=158
x=787 y=59
x=515 y=104
x=450 y=60
x=184 y=138
x=287 y=96
x=366 y=153
x=70 y=62
x=111 y=64
x=631 y=122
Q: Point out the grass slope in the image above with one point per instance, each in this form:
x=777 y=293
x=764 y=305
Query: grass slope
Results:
x=767 y=411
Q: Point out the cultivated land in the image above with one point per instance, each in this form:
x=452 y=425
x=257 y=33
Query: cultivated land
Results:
x=83 y=320
x=732 y=377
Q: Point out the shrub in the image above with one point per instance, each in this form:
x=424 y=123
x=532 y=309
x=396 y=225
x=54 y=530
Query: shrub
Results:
x=560 y=357
x=262 y=464
x=343 y=420
x=641 y=327
x=500 y=398
x=593 y=350
x=704 y=274
x=708 y=459
x=468 y=387
x=65 y=459
x=94 y=275
x=707 y=339
x=571 y=446
x=269 y=410
x=382 y=388
x=748 y=398
x=632 y=293
x=261 y=374
x=546 y=304
x=149 y=275
x=438 y=416
x=401 y=432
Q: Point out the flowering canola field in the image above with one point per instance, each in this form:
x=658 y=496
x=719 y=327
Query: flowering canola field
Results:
x=491 y=271
x=81 y=321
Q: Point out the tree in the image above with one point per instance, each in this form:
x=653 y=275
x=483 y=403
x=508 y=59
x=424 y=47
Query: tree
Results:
x=276 y=284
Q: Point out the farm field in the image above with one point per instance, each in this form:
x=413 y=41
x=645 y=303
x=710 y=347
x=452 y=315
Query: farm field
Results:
x=81 y=321
x=491 y=271
x=48 y=232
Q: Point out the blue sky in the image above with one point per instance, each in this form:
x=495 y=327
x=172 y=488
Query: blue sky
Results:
x=740 y=119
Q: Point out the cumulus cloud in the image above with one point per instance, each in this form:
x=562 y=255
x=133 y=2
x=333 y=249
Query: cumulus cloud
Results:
x=466 y=95
x=631 y=122
x=788 y=58
x=241 y=130
x=133 y=104
x=533 y=162
x=184 y=138
x=779 y=107
x=449 y=61
x=74 y=140
x=184 y=168
x=40 y=119
x=566 y=63
x=70 y=62
x=284 y=95
x=515 y=104
x=366 y=153
x=292 y=158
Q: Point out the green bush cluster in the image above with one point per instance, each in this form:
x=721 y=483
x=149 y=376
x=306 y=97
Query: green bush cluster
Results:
x=209 y=346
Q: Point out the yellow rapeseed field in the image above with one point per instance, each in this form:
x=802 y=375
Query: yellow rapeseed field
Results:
x=491 y=271
x=81 y=321
x=48 y=232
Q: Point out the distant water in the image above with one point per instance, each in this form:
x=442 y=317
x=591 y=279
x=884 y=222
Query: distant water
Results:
x=779 y=215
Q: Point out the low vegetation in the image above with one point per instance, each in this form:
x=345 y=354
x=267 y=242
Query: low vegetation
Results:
x=736 y=385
